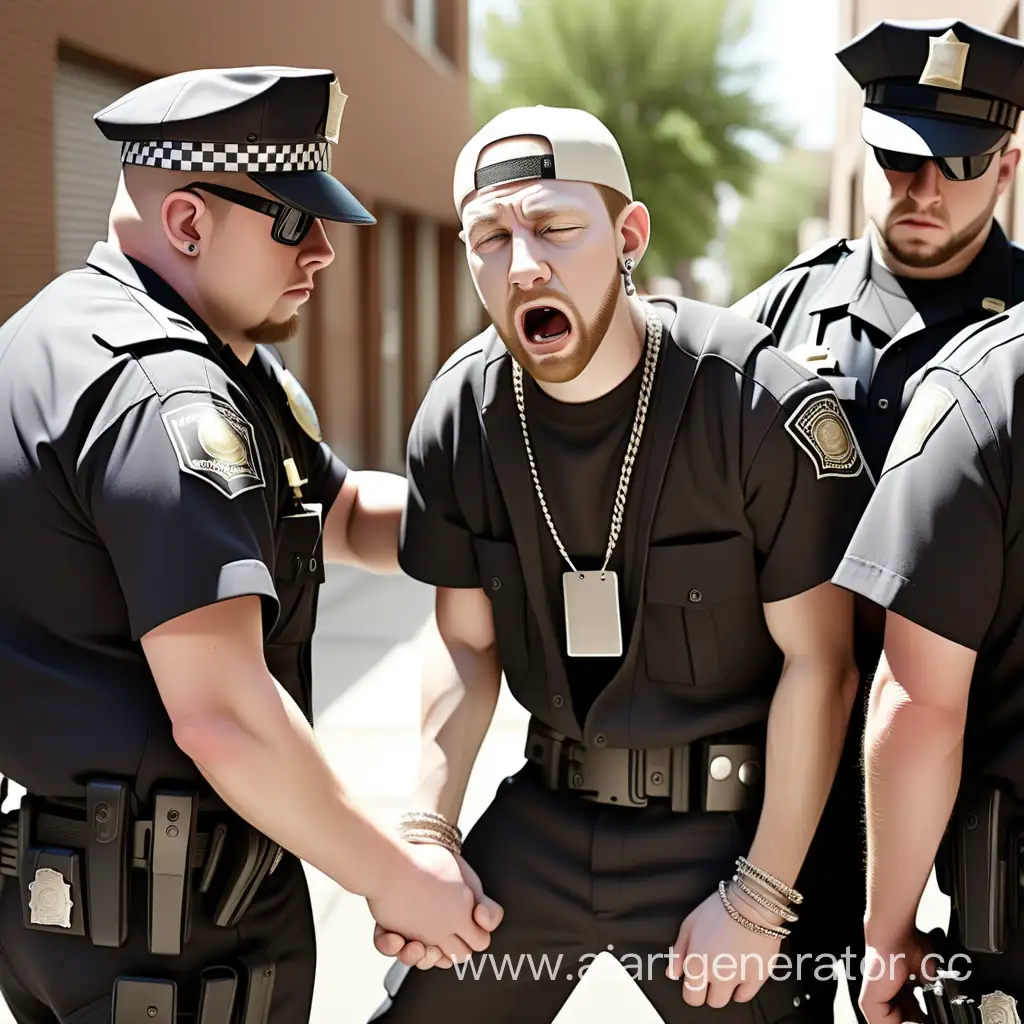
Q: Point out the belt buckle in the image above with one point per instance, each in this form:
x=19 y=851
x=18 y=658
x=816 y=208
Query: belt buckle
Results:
x=614 y=776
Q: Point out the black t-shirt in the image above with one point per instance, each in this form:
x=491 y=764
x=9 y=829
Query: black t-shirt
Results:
x=746 y=493
x=579 y=449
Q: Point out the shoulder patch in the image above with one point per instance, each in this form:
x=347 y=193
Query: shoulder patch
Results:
x=926 y=411
x=215 y=442
x=819 y=426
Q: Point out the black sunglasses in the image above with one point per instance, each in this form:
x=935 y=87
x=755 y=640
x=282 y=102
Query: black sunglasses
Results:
x=290 y=225
x=953 y=168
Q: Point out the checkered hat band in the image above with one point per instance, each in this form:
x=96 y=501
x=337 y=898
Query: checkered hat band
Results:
x=256 y=158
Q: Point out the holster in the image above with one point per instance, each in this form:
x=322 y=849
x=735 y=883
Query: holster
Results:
x=237 y=994
x=944 y=1003
x=980 y=869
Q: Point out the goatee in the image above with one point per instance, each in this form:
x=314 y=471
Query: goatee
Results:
x=270 y=332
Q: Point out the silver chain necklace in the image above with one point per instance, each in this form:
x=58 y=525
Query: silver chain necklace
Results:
x=593 y=619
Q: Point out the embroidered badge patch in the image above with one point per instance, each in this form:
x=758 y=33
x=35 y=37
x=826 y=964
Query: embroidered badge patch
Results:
x=927 y=408
x=819 y=427
x=216 y=443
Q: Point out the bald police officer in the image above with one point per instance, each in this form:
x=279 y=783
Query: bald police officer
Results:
x=169 y=504
x=939 y=548
x=941 y=100
x=632 y=508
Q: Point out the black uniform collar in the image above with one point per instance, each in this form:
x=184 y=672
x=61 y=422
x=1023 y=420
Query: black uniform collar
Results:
x=989 y=276
x=155 y=295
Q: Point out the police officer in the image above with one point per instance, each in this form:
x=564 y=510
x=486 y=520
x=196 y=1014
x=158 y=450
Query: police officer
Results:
x=941 y=100
x=168 y=504
x=632 y=508
x=939 y=548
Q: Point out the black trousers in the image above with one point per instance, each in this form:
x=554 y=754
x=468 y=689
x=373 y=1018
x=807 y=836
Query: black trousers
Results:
x=577 y=879
x=64 y=979
x=834 y=879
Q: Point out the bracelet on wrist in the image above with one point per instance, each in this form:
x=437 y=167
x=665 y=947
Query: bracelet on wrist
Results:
x=775 y=884
x=751 y=926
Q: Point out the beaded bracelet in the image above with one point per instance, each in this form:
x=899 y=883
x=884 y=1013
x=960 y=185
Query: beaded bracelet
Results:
x=771 y=881
x=751 y=926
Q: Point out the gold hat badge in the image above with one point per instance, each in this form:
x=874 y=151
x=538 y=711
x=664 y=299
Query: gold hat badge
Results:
x=947 y=61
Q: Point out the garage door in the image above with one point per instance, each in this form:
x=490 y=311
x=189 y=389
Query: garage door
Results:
x=87 y=165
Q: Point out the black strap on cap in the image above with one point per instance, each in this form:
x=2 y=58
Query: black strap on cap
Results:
x=905 y=96
x=517 y=169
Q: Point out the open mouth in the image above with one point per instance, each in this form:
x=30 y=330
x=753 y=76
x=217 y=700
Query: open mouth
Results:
x=545 y=325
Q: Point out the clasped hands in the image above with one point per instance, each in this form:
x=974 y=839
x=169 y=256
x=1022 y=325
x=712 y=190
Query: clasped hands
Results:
x=436 y=914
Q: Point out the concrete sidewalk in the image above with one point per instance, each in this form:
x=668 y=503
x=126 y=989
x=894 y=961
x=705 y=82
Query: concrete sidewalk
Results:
x=366 y=667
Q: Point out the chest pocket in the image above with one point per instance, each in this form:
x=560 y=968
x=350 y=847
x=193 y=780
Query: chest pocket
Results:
x=703 y=624
x=501 y=578
x=298 y=568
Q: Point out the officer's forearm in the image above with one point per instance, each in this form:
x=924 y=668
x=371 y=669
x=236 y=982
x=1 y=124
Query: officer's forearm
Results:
x=263 y=760
x=460 y=691
x=913 y=757
x=375 y=520
x=807 y=723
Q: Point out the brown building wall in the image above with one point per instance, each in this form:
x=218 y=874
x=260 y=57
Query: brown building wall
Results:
x=406 y=118
x=846 y=216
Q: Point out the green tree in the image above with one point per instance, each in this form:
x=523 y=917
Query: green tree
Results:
x=661 y=75
x=765 y=235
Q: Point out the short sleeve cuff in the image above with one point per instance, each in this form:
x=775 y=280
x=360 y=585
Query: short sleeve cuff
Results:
x=900 y=596
x=246 y=577
x=427 y=567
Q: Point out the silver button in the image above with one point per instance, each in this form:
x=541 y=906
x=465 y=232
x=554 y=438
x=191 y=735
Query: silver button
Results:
x=883 y=404
x=696 y=596
x=721 y=768
x=749 y=773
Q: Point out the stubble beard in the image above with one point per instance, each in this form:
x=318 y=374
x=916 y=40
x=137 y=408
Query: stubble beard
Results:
x=587 y=337
x=927 y=256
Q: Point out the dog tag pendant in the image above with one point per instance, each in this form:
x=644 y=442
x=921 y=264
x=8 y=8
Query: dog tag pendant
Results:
x=592 y=625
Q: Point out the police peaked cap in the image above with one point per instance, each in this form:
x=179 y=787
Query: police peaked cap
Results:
x=276 y=124
x=937 y=88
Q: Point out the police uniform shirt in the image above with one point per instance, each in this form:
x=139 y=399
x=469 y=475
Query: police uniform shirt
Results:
x=733 y=502
x=826 y=310
x=941 y=540
x=140 y=478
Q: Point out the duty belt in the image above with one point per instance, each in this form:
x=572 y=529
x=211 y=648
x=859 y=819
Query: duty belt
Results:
x=73 y=865
x=718 y=774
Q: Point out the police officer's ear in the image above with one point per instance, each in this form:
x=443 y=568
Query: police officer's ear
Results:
x=182 y=214
x=1008 y=161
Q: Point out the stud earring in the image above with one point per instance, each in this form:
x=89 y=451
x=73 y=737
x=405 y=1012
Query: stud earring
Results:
x=627 y=274
x=192 y=248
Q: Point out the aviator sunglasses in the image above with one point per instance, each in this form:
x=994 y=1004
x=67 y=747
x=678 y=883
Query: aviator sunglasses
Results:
x=290 y=225
x=953 y=168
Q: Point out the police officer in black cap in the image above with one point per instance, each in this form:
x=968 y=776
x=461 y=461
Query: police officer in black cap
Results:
x=169 y=503
x=941 y=100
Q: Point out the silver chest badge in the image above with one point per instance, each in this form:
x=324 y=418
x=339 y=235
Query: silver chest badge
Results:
x=51 y=899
